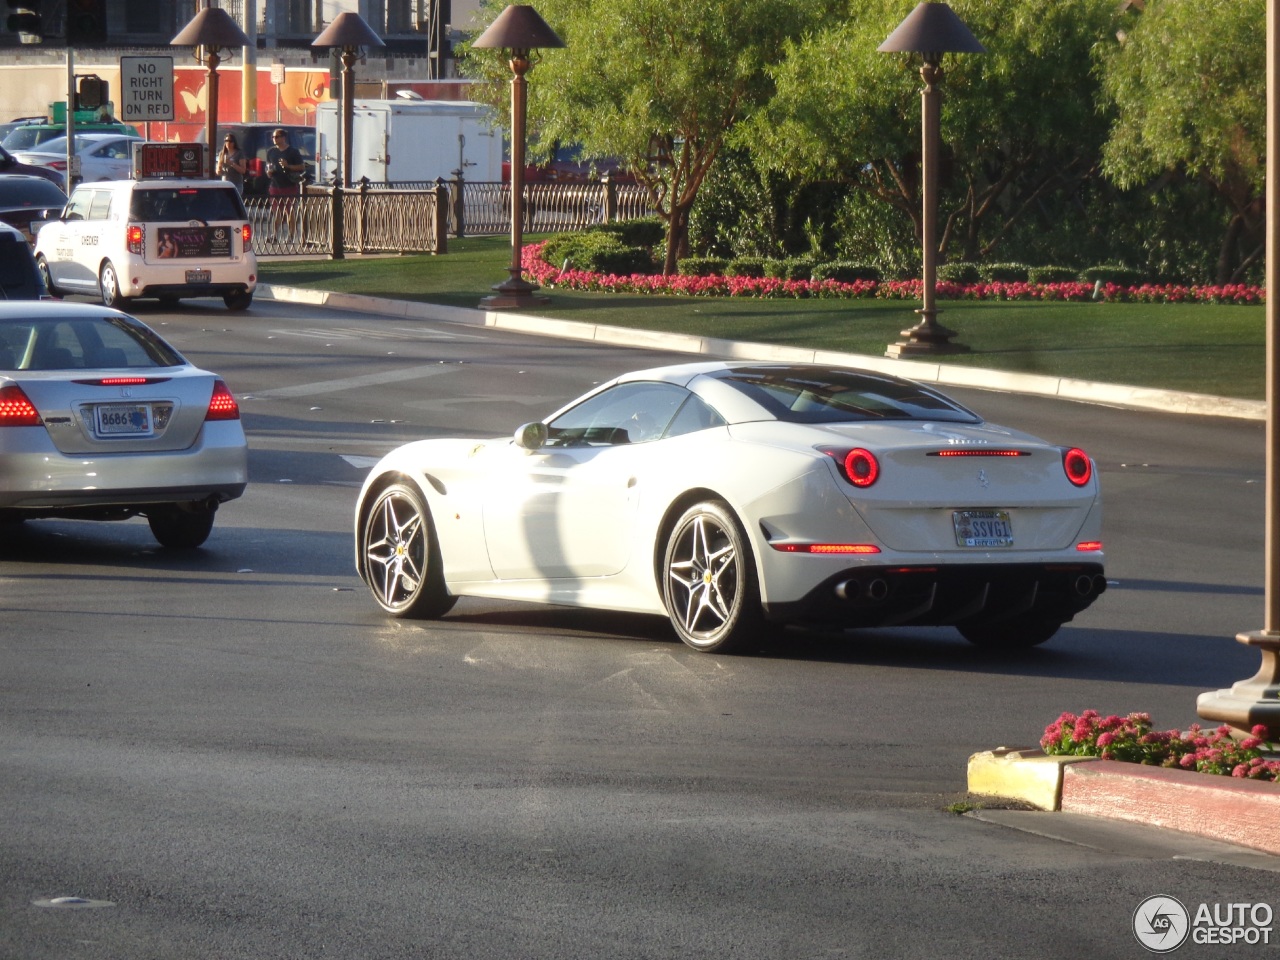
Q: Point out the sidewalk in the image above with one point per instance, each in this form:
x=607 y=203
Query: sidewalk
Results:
x=1244 y=813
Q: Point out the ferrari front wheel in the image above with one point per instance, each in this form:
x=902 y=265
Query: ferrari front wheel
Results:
x=709 y=581
x=402 y=563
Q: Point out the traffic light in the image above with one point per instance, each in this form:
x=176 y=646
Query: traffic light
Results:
x=86 y=22
x=92 y=92
x=24 y=20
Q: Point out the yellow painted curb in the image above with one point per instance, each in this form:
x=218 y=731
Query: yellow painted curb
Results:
x=1026 y=775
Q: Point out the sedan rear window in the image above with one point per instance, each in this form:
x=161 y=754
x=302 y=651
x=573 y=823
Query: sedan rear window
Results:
x=184 y=204
x=18 y=192
x=108 y=342
x=834 y=395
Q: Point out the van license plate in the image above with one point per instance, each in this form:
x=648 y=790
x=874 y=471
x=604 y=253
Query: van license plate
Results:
x=198 y=276
x=983 y=529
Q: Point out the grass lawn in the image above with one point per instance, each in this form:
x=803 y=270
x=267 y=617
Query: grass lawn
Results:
x=1202 y=348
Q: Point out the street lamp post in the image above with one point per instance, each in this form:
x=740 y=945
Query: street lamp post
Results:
x=931 y=30
x=1256 y=701
x=519 y=29
x=348 y=33
x=214 y=35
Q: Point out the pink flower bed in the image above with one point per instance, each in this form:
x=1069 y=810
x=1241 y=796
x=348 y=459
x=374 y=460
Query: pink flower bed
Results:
x=1132 y=739
x=550 y=276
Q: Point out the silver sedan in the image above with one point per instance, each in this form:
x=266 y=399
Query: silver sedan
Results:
x=101 y=419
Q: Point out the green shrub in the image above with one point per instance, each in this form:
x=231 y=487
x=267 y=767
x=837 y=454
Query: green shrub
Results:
x=1052 y=274
x=745 y=267
x=701 y=266
x=846 y=271
x=648 y=232
x=793 y=268
x=597 y=252
x=1115 y=273
x=959 y=272
x=1003 y=272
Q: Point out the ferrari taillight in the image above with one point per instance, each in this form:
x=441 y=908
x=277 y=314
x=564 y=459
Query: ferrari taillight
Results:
x=222 y=405
x=15 y=409
x=246 y=236
x=860 y=467
x=133 y=237
x=1078 y=466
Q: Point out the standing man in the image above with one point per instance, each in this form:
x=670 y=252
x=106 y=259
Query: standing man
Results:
x=284 y=166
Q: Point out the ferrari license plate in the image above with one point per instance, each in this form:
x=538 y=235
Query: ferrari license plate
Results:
x=198 y=276
x=122 y=419
x=983 y=528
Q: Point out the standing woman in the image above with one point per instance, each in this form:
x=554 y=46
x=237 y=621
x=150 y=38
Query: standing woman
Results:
x=232 y=162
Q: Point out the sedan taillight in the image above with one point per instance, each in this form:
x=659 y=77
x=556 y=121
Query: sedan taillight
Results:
x=15 y=409
x=1078 y=466
x=133 y=236
x=222 y=405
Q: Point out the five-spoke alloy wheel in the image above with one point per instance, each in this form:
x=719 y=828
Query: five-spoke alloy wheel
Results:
x=402 y=563
x=709 y=580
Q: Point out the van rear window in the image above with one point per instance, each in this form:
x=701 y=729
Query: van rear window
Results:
x=184 y=204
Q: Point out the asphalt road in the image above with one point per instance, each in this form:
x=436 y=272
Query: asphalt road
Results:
x=232 y=754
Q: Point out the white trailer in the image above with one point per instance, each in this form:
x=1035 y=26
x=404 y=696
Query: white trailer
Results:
x=411 y=140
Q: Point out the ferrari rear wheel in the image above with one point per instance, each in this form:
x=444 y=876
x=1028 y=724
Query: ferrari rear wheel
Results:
x=1015 y=633
x=709 y=581
x=402 y=561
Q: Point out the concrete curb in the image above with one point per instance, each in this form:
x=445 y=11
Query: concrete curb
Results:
x=1118 y=395
x=1241 y=812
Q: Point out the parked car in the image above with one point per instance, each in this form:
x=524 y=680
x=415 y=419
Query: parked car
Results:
x=170 y=239
x=255 y=140
x=730 y=496
x=19 y=278
x=101 y=419
x=25 y=200
x=11 y=164
x=31 y=136
x=103 y=156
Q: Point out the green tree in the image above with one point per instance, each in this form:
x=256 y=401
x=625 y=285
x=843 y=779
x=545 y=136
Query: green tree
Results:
x=1189 y=87
x=1019 y=123
x=657 y=83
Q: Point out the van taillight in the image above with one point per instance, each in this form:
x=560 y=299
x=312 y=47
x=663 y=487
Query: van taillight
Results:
x=133 y=236
x=246 y=235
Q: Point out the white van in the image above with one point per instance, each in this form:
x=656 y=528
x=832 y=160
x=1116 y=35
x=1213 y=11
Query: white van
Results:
x=164 y=238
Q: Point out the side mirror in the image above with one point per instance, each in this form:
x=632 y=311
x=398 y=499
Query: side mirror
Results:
x=531 y=436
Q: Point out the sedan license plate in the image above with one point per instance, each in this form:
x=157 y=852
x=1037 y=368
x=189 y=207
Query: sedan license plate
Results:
x=983 y=528
x=123 y=419
x=198 y=276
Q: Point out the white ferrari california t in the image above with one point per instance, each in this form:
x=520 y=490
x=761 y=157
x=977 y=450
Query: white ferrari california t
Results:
x=736 y=496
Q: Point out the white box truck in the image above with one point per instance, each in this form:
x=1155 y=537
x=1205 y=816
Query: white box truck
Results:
x=411 y=140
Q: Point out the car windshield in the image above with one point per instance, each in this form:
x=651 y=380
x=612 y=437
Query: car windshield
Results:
x=833 y=395
x=184 y=204
x=17 y=192
x=82 y=343
x=28 y=137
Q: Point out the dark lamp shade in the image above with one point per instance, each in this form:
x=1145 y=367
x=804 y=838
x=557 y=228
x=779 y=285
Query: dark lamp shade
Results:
x=348 y=30
x=211 y=27
x=932 y=28
x=519 y=27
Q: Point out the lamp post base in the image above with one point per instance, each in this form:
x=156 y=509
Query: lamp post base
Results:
x=513 y=294
x=926 y=338
x=1253 y=701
